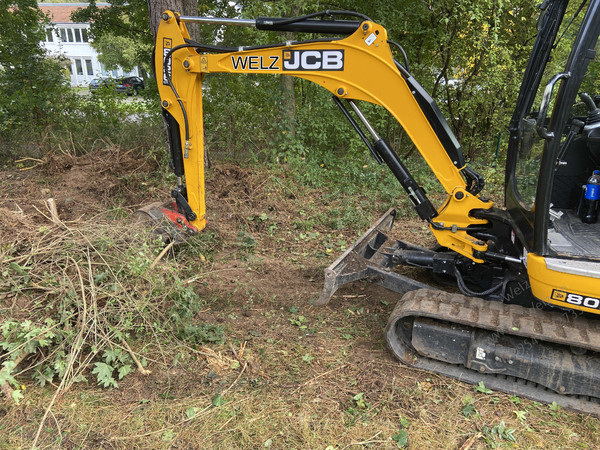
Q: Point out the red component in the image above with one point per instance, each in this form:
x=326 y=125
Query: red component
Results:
x=178 y=219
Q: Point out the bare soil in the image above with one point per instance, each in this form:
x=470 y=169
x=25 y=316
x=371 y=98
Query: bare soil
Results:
x=292 y=375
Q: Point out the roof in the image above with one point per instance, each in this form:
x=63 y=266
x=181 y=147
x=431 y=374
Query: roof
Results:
x=61 y=12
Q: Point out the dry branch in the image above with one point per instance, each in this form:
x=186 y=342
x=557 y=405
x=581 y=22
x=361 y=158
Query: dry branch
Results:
x=51 y=205
x=162 y=254
x=140 y=368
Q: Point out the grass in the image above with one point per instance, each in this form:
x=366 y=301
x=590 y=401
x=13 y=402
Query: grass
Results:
x=238 y=357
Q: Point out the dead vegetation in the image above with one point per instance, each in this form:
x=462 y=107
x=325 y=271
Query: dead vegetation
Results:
x=214 y=344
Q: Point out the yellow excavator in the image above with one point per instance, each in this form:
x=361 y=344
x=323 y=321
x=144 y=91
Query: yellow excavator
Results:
x=526 y=318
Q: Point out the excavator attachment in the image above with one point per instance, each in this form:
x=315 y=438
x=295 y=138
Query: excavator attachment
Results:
x=166 y=221
x=368 y=258
x=548 y=356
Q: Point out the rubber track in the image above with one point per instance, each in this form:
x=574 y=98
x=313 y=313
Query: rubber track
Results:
x=530 y=324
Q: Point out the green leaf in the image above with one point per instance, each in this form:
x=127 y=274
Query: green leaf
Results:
x=554 y=406
x=110 y=355
x=19 y=269
x=469 y=410
x=168 y=435
x=521 y=415
x=17 y=396
x=404 y=422
x=481 y=388
x=99 y=278
x=401 y=438
x=103 y=373
x=124 y=370
x=191 y=412
x=307 y=358
x=516 y=400
x=6 y=375
x=218 y=400
x=360 y=401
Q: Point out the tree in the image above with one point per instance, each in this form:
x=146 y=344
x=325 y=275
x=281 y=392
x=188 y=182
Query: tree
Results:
x=185 y=7
x=33 y=86
x=120 y=51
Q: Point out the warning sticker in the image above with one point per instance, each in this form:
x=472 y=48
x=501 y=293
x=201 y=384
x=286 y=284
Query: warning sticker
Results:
x=204 y=64
x=370 y=39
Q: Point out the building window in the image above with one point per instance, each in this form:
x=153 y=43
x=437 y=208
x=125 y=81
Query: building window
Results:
x=88 y=65
x=70 y=34
x=63 y=35
x=84 y=35
x=49 y=35
x=79 y=67
x=77 y=35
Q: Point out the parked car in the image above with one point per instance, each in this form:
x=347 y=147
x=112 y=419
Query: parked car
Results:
x=125 y=85
x=137 y=84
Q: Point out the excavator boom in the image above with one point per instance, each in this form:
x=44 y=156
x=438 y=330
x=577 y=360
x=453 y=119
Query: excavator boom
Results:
x=337 y=65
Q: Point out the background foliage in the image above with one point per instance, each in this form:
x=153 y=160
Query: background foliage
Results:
x=32 y=85
x=469 y=56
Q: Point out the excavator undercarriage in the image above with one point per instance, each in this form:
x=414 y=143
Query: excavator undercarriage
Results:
x=546 y=355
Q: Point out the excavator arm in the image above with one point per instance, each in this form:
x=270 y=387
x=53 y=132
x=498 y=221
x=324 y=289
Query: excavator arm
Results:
x=358 y=67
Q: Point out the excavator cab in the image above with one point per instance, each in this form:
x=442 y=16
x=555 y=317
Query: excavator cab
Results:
x=554 y=147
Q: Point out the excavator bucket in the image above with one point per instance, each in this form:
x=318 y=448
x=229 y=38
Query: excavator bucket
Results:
x=370 y=257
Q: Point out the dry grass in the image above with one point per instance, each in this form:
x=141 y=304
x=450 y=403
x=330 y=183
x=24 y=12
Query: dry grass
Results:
x=288 y=375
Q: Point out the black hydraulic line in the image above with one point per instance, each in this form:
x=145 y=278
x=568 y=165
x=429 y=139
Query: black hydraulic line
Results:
x=403 y=54
x=475 y=182
x=358 y=129
x=465 y=290
x=167 y=77
x=209 y=47
x=308 y=26
x=327 y=12
x=217 y=49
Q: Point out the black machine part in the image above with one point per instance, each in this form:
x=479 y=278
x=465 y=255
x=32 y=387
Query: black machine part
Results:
x=543 y=355
x=554 y=366
x=547 y=355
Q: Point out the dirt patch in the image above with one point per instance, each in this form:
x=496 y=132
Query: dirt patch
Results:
x=82 y=186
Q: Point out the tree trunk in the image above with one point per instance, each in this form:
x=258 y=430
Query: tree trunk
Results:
x=184 y=7
x=288 y=104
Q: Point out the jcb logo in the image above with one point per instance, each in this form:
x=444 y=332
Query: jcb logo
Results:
x=313 y=60
x=576 y=299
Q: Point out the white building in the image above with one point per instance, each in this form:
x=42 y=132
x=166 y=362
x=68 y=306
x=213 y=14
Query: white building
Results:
x=71 y=40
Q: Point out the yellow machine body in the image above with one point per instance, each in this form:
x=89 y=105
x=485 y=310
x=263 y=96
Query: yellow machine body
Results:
x=365 y=71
